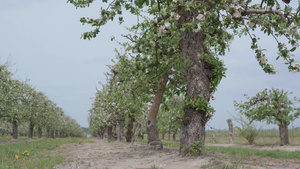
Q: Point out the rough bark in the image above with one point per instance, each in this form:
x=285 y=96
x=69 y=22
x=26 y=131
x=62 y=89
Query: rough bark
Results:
x=40 y=132
x=129 y=132
x=174 y=135
x=198 y=76
x=30 y=131
x=230 y=131
x=15 y=129
x=137 y=131
x=109 y=133
x=114 y=131
x=284 y=133
x=152 y=132
x=121 y=128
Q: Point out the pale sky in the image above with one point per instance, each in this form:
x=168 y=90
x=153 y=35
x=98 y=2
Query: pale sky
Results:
x=42 y=38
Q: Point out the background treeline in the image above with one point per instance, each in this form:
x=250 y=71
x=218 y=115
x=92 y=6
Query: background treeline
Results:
x=27 y=112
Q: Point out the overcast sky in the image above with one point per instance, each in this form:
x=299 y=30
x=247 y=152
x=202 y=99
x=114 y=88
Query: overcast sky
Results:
x=42 y=38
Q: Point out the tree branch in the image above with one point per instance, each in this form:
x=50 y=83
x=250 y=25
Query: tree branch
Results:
x=264 y=11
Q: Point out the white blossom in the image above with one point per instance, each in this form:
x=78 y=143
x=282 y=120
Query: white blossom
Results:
x=200 y=17
x=263 y=60
x=135 y=51
x=175 y=1
x=294 y=64
x=119 y=8
x=167 y=25
x=175 y=15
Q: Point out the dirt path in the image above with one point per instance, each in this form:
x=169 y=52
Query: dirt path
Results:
x=119 y=155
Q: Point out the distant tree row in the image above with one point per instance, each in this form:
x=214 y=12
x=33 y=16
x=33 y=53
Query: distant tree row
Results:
x=21 y=104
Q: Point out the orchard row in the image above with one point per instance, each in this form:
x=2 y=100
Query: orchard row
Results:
x=22 y=105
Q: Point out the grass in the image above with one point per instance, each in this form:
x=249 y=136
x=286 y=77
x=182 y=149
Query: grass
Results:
x=278 y=154
x=238 y=151
x=33 y=154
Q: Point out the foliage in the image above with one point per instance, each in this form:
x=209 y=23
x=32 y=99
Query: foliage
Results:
x=155 y=48
x=247 y=130
x=169 y=117
x=271 y=106
x=195 y=149
x=22 y=103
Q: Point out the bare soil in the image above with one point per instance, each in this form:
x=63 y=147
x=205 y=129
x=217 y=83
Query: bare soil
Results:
x=119 y=155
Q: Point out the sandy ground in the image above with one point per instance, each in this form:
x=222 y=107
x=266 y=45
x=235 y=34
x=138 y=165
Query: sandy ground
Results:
x=120 y=155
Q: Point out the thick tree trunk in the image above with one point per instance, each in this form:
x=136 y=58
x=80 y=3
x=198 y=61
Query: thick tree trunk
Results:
x=30 y=131
x=110 y=133
x=129 y=132
x=284 y=133
x=15 y=129
x=198 y=75
x=121 y=128
x=40 y=132
x=152 y=132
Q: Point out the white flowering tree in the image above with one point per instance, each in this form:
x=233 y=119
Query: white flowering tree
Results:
x=22 y=104
x=272 y=106
x=202 y=27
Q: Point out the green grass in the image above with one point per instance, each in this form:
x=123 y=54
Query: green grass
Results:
x=278 y=154
x=33 y=154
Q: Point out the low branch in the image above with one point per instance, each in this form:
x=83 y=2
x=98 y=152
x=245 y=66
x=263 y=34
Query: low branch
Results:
x=264 y=11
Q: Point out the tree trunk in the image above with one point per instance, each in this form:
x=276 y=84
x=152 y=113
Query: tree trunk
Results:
x=230 y=131
x=174 y=135
x=114 y=131
x=169 y=136
x=214 y=139
x=151 y=119
x=121 y=128
x=48 y=133
x=52 y=133
x=40 y=132
x=15 y=129
x=284 y=133
x=162 y=136
x=30 y=131
x=137 y=130
x=198 y=76
x=110 y=133
x=101 y=132
x=129 y=132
